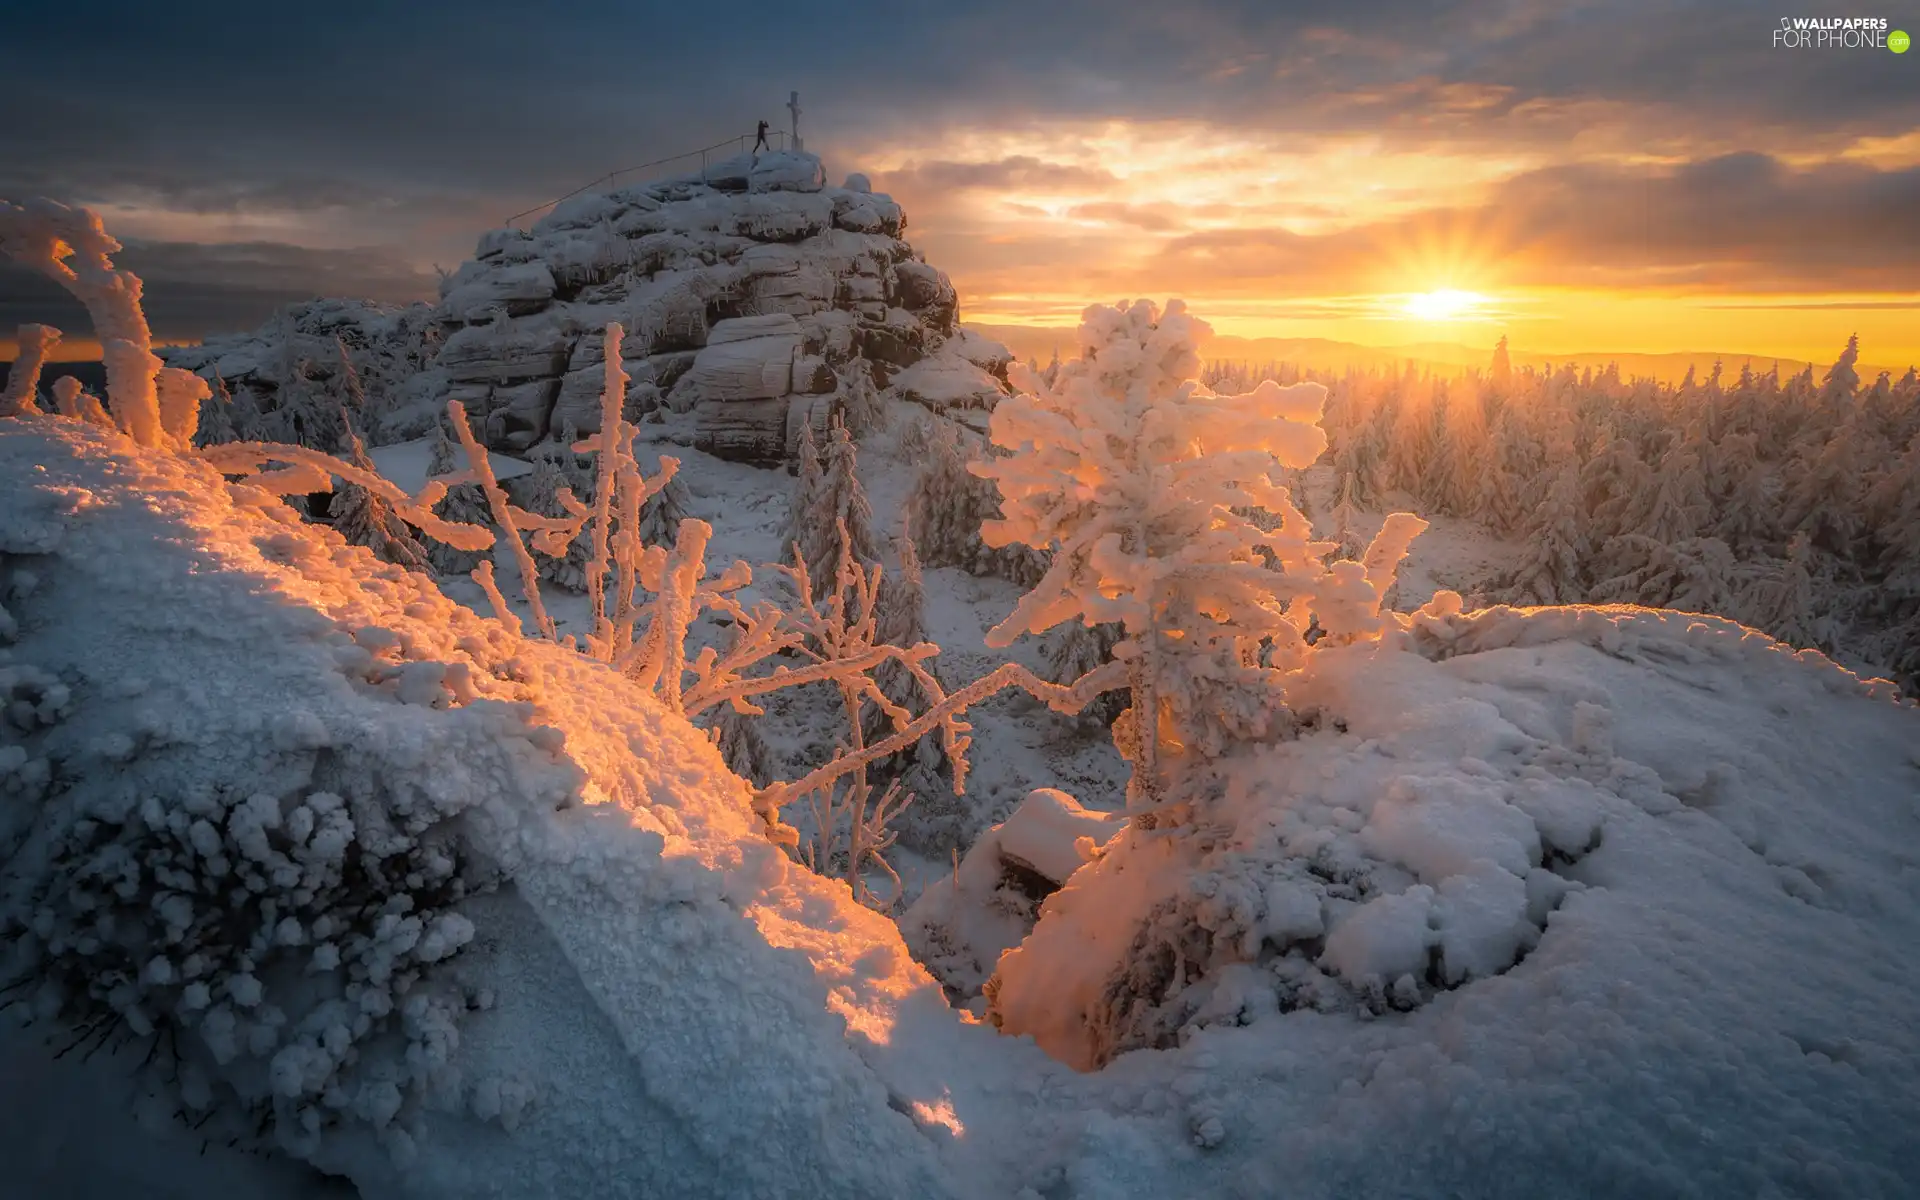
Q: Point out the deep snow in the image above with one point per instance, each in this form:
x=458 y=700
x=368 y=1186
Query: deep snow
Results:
x=1720 y=1005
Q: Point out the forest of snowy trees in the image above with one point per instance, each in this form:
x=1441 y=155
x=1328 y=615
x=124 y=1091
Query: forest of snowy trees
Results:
x=1789 y=504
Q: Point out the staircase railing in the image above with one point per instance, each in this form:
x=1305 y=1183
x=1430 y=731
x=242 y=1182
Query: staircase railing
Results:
x=777 y=140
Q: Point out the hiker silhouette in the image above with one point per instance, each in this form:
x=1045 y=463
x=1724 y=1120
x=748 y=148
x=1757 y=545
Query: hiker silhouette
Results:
x=760 y=138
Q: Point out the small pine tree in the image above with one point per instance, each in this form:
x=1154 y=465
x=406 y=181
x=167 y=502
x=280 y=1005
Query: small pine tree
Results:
x=741 y=746
x=660 y=517
x=806 y=484
x=465 y=503
x=365 y=519
x=838 y=503
x=217 y=417
x=1500 y=372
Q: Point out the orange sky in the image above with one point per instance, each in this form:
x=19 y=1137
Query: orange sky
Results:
x=1565 y=247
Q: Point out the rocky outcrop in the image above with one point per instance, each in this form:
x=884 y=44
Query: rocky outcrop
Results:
x=749 y=294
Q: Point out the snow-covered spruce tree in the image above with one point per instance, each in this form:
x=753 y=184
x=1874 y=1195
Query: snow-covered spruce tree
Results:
x=1551 y=572
x=900 y=620
x=366 y=519
x=745 y=751
x=806 y=484
x=1130 y=472
x=661 y=515
x=1076 y=649
x=218 y=425
x=1500 y=371
x=948 y=506
x=866 y=407
x=541 y=491
x=464 y=504
x=837 y=515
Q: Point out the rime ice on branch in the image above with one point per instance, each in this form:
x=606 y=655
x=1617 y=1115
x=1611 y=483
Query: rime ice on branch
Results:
x=154 y=404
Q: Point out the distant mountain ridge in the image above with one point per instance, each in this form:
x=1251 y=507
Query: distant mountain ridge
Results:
x=1325 y=354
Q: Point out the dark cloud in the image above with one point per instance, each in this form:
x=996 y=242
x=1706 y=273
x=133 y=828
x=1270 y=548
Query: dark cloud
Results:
x=192 y=290
x=420 y=123
x=1015 y=171
x=1740 y=221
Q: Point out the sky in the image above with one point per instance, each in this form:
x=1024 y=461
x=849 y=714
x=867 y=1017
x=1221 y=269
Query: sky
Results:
x=1626 y=176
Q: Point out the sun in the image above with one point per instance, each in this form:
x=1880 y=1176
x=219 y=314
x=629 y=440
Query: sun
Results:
x=1445 y=304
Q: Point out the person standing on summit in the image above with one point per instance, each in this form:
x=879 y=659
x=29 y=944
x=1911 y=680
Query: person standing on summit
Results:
x=760 y=139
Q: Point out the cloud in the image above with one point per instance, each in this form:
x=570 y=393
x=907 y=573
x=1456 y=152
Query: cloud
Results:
x=1022 y=171
x=1742 y=222
x=192 y=290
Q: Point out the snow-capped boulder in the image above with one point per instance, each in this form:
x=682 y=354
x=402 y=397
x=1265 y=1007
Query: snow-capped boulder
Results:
x=963 y=923
x=857 y=182
x=484 y=288
x=746 y=358
x=790 y=172
x=506 y=352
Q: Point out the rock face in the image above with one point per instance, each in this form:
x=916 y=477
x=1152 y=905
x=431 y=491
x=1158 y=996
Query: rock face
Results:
x=750 y=297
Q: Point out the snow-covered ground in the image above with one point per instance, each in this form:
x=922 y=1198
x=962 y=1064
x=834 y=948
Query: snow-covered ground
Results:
x=1703 y=987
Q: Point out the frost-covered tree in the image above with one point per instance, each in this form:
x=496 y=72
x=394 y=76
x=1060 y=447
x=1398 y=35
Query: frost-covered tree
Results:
x=837 y=514
x=806 y=485
x=948 y=506
x=1779 y=597
x=900 y=620
x=1500 y=371
x=1556 y=546
x=745 y=751
x=1130 y=472
x=866 y=406
x=464 y=504
x=661 y=515
x=217 y=426
x=366 y=519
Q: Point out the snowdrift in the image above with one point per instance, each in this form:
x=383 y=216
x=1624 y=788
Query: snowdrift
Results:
x=464 y=915
x=1712 y=995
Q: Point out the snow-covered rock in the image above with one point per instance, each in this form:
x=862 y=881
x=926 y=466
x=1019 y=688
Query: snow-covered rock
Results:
x=747 y=358
x=756 y=239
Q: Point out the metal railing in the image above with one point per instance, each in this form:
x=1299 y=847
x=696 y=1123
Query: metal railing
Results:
x=777 y=141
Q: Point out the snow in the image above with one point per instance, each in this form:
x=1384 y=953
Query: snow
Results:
x=1712 y=1006
x=948 y=382
x=405 y=464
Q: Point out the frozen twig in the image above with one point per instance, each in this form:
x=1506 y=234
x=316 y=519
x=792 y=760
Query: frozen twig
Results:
x=36 y=342
x=480 y=466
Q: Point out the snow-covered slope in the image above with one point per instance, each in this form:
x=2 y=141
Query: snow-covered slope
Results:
x=611 y=961
x=1719 y=1004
